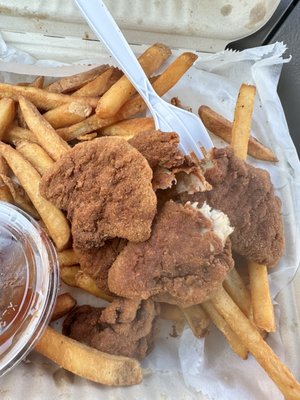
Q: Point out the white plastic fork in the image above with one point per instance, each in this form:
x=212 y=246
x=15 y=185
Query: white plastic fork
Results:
x=167 y=117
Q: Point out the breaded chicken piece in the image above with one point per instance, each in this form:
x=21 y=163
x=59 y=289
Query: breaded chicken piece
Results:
x=246 y=195
x=97 y=261
x=125 y=327
x=161 y=150
x=105 y=187
x=185 y=260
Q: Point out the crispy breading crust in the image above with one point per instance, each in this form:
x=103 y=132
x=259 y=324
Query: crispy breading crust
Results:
x=183 y=262
x=105 y=187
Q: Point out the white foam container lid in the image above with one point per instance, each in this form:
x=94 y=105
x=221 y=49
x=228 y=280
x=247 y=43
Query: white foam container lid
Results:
x=46 y=29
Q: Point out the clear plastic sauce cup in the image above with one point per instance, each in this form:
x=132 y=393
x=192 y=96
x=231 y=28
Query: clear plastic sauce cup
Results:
x=29 y=275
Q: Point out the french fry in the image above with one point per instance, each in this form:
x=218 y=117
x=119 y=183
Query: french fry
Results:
x=36 y=155
x=4 y=168
x=169 y=77
x=64 y=304
x=73 y=276
x=129 y=127
x=151 y=60
x=68 y=274
x=88 y=136
x=197 y=320
x=263 y=310
x=68 y=114
x=29 y=178
x=19 y=196
x=101 y=84
x=250 y=337
x=70 y=83
x=221 y=127
x=67 y=257
x=38 y=82
x=15 y=133
x=88 y=125
x=47 y=137
x=87 y=362
x=86 y=283
x=242 y=120
x=171 y=312
x=235 y=343
x=236 y=288
x=41 y=98
x=5 y=194
x=7 y=114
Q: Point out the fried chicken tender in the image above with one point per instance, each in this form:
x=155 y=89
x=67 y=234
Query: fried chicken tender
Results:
x=97 y=261
x=161 y=150
x=185 y=260
x=246 y=195
x=105 y=187
x=125 y=327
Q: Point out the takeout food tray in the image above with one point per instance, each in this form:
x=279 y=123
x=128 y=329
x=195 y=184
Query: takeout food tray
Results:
x=55 y=30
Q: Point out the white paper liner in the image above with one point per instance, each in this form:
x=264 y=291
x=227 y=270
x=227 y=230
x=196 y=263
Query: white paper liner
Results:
x=209 y=368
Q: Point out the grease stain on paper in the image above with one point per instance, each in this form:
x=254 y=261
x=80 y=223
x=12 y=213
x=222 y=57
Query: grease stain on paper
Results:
x=257 y=14
x=226 y=10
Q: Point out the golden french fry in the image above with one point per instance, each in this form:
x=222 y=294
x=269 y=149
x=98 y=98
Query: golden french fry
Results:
x=64 y=304
x=4 y=168
x=7 y=114
x=221 y=127
x=101 y=84
x=88 y=125
x=237 y=290
x=86 y=283
x=68 y=274
x=87 y=362
x=171 y=312
x=67 y=257
x=235 y=343
x=19 y=196
x=5 y=194
x=242 y=120
x=88 y=136
x=161 y=85
x=263 y=311
x=68 y=114
x=197 y=320
x=129 y=127
x=250 y=337
x=47 y=137
x=38 y=82
x=69 y=83
x=41 y=98
x=151 y=60
x=15 y=133
x=73 y=276
x=36 y=155
x=29 y=178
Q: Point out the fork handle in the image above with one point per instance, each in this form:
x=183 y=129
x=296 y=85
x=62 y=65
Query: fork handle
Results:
x=103 y=24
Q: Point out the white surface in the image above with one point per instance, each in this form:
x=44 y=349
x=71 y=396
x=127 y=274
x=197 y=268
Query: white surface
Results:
x=46 y=28
x=215 y=82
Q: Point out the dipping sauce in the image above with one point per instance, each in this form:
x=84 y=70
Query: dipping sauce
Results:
x=28 y=284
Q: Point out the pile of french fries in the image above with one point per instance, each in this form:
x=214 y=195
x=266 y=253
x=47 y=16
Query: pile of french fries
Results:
x=39 y=123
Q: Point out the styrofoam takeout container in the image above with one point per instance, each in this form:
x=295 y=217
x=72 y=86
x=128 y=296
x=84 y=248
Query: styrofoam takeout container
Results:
x=55 y=30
